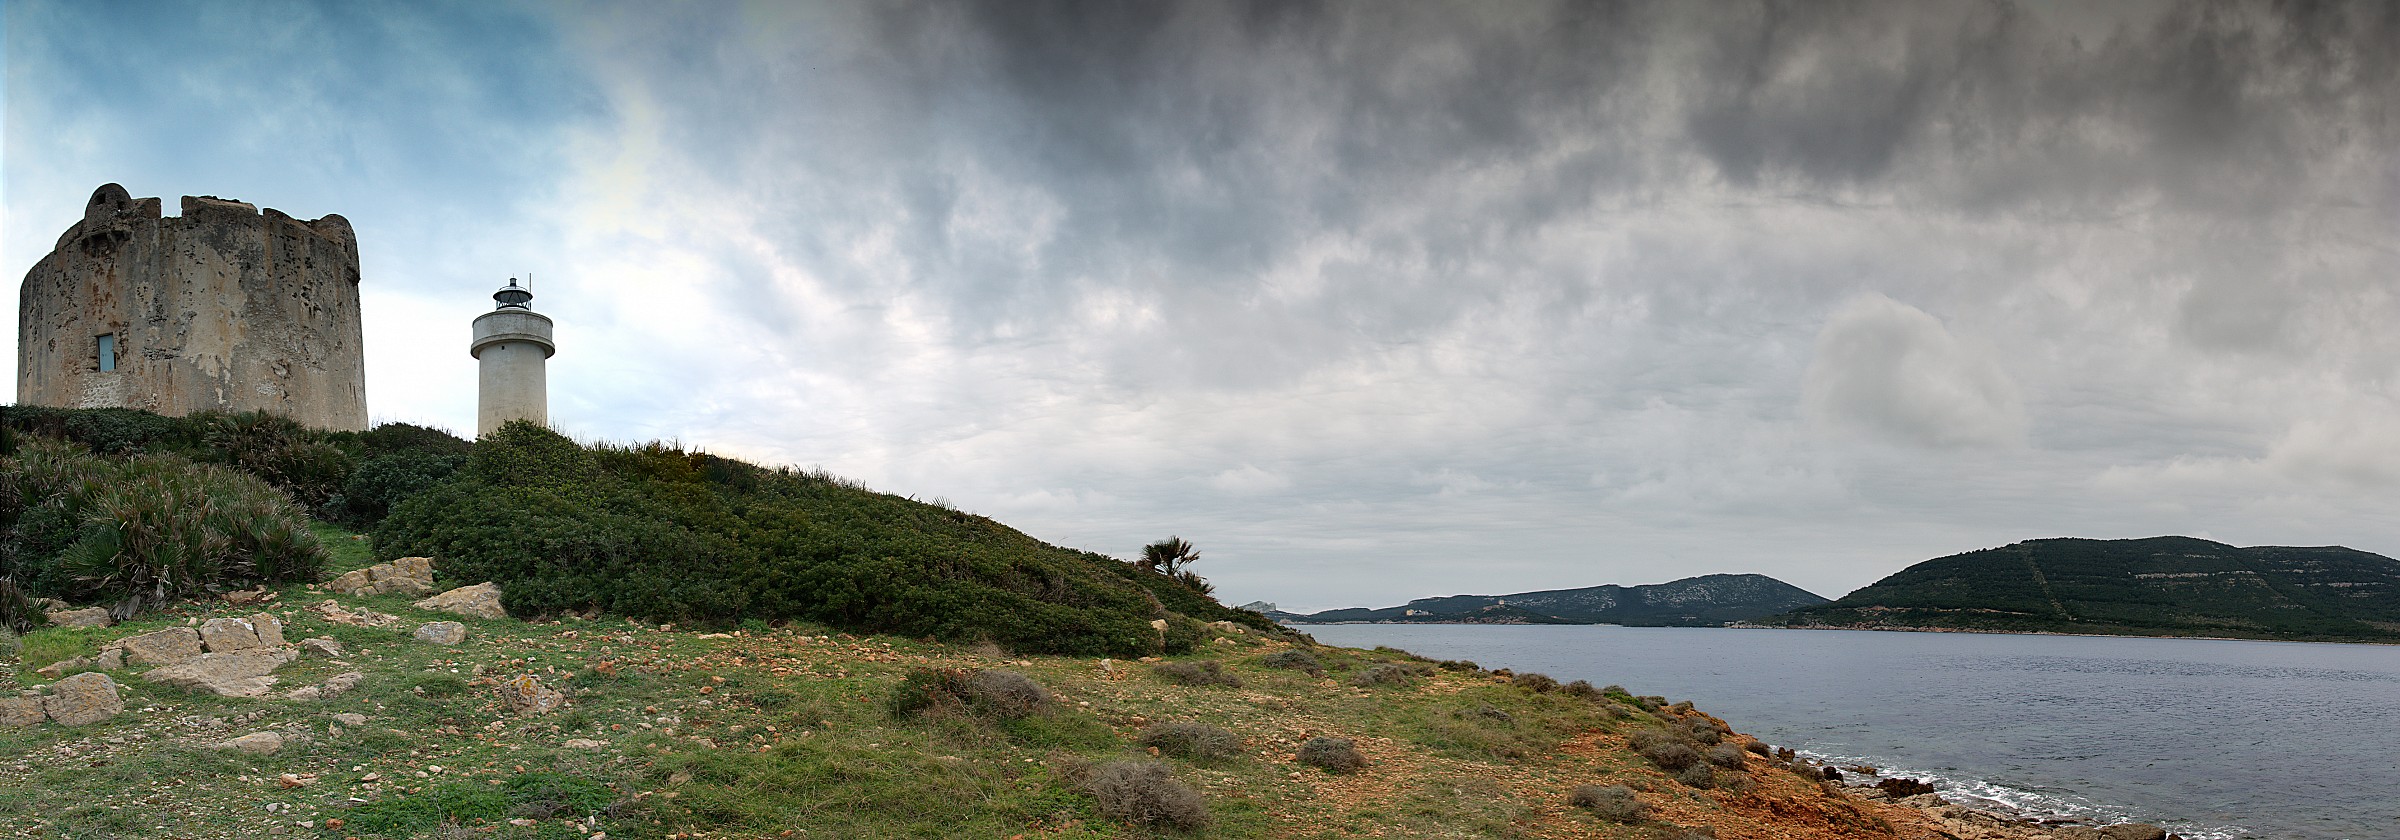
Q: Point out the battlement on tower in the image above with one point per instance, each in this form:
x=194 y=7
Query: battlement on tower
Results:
x=224 y=307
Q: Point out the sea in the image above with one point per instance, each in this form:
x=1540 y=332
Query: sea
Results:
x=2215 y=739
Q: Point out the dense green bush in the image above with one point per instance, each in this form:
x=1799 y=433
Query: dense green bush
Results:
x=143 y=530
x=660 y=533
x=321 y=470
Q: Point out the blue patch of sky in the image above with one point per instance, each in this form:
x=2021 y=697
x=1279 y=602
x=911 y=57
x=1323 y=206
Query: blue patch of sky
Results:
x=312 y=107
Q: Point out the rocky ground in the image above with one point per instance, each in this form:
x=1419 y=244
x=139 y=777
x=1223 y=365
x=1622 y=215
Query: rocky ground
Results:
x=386 y=713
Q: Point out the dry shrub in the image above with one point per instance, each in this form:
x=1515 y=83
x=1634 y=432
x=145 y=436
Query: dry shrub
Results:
x=1338 y=755
x=1664 y=749
x=1293 y=660
x=1487 y=712
x=1536 y=683
x=1704 y=731
x=1204 y=672
x=1757 y=746
x=1581 y=690
x=1193 y=741
x=1146 y=793
x=1697 y=775
x=937 y=692
x=1388 y=673
x=1615 y=803
x=1007 y=694
x=1464 y=665
x=1724 y=755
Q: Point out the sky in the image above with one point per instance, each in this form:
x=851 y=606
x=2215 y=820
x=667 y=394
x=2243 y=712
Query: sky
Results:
x=1369 y=300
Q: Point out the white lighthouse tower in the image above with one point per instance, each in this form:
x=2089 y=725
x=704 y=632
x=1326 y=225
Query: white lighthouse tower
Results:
x=512 y=343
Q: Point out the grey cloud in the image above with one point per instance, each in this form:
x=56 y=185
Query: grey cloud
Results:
x=1890 y=370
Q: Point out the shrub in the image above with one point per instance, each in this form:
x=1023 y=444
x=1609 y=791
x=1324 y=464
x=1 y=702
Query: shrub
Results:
x=1536 y=683
x=145 y=530
x=929 y=691
x=1697 y=775
x=1901 y=788
x=1387 y=673
x=1703 y=731
x=1293 y=660
x=1337 y=755
x=1146 y=793
x=1724 y=755
x=1615 y=803
x=1757 y=746
x=1204 y=672
x=16 y=614
x=1486 y=712
x=1664 y=749
x=387 y=480
x=657 y=533
x=1581 y=690
x=1007 y=694
x=1467 y=666
x=1193 y=741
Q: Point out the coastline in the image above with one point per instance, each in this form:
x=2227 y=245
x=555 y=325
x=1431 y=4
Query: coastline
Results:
x=1929 y=812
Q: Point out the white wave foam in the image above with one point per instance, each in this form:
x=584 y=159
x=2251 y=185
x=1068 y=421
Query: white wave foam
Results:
x=2030 y=804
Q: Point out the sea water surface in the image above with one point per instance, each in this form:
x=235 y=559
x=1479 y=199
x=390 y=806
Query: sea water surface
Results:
x=2213 y=739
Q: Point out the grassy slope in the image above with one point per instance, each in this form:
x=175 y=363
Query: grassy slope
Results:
x=770 y=734
x=2161 y=586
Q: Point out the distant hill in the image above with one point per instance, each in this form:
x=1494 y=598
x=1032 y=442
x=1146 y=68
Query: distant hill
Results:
x=2160 y=586
x=1704 y=601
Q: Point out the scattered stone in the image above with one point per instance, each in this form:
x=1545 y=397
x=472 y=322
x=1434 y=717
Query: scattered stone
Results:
x=162 y=647
x=245 y=597
x=226 y=635
x=112 y=659
x=325 y=646
x=479 y=601
x=405 y=576
x=60 y=668
x=528 y=696
x=1159 y=624
x=270 y=629
x=333 y=612
x=305 y=693
x=442 y=633
x=258 y=743
x=339 y=684
x=1229 y=627
x=88 y=617
x=89 y=697
x=242 y=673
x=2133 y=831
x=21 y=711
x=350 y=719
x=585 y=744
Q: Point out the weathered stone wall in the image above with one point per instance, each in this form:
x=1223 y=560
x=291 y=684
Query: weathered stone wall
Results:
x=223 y=308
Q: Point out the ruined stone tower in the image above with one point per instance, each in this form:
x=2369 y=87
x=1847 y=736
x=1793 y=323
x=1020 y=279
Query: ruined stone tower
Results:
x=511 y=348
x=223 y=308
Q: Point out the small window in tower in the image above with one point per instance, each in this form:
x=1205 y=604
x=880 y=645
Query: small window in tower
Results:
x=108 y=353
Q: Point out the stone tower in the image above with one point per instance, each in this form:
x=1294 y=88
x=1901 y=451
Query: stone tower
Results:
x=223 y=308
x=512 y=346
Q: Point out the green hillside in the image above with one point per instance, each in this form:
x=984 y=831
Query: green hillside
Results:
x=2160 y=586
x=1704 y=601
x=650 y=531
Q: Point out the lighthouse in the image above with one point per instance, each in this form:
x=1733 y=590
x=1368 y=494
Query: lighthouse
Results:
x=512 y=345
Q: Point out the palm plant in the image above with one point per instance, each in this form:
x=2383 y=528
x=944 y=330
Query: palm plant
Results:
x=1168 y=556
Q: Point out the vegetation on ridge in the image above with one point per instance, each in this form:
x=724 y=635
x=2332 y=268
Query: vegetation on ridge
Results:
x=657 y=532
x=2160 y=586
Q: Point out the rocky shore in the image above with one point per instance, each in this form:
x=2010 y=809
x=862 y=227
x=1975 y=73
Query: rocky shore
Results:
x=1954 y=821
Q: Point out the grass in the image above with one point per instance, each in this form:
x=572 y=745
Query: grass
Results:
x=756 y=732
